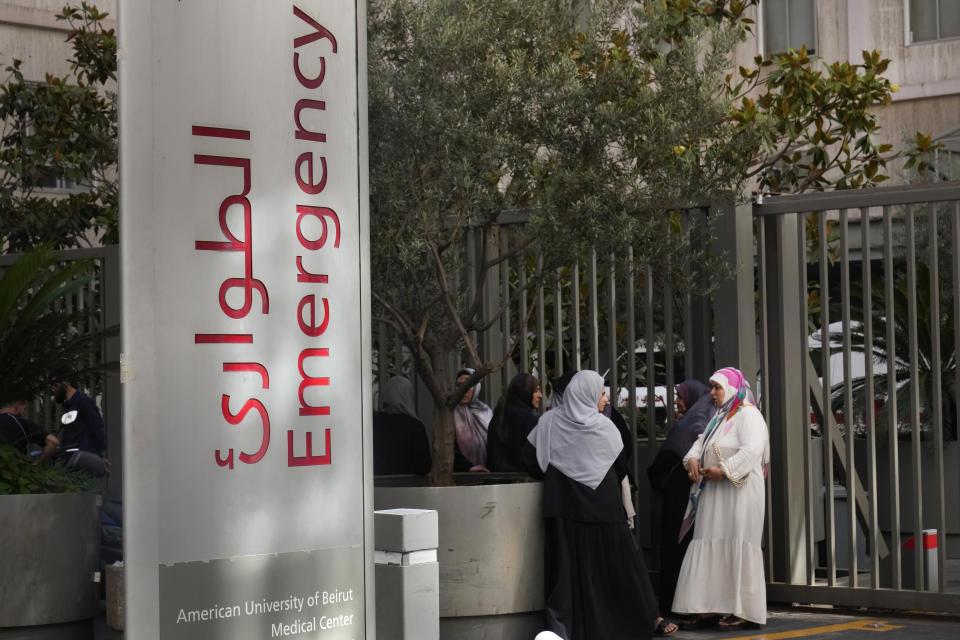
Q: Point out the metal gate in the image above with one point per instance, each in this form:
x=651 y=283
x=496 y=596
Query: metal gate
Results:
x=831 y=293
x=859 y=307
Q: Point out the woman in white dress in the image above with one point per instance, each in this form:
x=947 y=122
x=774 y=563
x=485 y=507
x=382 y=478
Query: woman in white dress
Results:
x=722 y=571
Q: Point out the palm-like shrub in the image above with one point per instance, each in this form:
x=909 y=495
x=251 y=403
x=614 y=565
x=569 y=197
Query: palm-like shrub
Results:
x=38 y=335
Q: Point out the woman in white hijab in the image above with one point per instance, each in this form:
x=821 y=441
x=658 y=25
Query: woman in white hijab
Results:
x=596 y=583
x=722 y=571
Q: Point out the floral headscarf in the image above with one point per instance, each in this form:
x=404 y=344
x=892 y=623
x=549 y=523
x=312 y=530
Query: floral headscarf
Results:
x=736 y=395
x=471 y=421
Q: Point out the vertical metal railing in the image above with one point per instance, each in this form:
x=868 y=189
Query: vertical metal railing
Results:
x=826 y=403
x=594 y=330
x=632 y=361
x=848 y=412
x=540 y=367
x=873 y=524
x=880 y=320
x=506 y=291
x=811 y=486
x=651 y=363
x=892 y=414
x=914 y=395
x=612 y=348
x=558 y=333
x=762 y=295
x=936 y=392
x=575 y=323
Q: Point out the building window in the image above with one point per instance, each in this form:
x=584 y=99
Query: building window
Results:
x=48 y=179
x=789 y=24
x=931 y=20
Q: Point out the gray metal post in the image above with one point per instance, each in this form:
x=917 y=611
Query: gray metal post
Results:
x=783 y=403
x=493 y=342
x=407 y=574
x=735 y=337
x=700 y=333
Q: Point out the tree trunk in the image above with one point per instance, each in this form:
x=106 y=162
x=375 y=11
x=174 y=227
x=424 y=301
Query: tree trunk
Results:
x=444 y=429
x=444 y=433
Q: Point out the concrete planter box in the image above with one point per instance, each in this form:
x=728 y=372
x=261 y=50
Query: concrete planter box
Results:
x=48 y=551
x=490 y=552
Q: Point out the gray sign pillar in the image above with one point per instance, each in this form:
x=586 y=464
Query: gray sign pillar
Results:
x=246 y=337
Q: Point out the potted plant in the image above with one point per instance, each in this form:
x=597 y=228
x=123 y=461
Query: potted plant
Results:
x=49 y=544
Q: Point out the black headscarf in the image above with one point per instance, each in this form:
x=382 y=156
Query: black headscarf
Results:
x=559 y=384
x=513 y=419
x=700 y=409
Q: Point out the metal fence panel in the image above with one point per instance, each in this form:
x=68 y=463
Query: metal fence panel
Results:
x=883 y=364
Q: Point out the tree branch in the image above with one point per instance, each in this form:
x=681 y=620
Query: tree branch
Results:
x=445 y=288
x=514 y=296
x=401 y=320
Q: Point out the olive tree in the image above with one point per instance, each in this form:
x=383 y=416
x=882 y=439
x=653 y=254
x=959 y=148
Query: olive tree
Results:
x=595 y=121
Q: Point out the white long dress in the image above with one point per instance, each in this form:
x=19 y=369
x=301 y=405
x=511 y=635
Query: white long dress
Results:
x=722 y=571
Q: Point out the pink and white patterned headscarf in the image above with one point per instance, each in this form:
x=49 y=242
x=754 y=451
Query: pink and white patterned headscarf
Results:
x=736 y=390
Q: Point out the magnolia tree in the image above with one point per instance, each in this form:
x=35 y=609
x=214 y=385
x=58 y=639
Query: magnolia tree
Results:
x=58 y=145
x=594 y=120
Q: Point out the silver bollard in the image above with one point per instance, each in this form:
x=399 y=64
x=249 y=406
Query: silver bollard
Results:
x=407 y=574
x=928 y=546
x=931 y=573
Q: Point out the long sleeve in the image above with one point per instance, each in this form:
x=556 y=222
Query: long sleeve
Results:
x=753 y=445
x=695 y=451
x=91 y=416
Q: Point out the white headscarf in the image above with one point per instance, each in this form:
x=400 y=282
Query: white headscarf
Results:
x=576 y=438
x=471 y=421
x=398 y=397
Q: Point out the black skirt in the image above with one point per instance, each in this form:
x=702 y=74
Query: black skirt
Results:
x=673 y=508
x=596 y=582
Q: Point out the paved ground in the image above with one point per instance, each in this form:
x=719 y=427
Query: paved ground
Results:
x=807 y=623
x=832 y=624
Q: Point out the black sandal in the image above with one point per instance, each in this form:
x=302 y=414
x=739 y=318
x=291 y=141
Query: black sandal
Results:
x=697 y=623
x=661 y=628
x=734 y=623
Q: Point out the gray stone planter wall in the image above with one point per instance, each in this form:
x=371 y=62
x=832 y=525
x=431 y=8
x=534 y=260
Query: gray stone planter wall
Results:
x=48 y=554
x=490 y=553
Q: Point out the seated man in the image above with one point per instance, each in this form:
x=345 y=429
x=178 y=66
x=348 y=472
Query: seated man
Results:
x=82 y=432
x=19 y=432
x=85 y=430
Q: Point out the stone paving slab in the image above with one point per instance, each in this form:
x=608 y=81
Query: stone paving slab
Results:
x=831 y=624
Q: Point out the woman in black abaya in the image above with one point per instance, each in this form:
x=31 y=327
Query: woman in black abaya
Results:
x=668 y=477
x=513 y=419
x=399 y=438
x=596 y=583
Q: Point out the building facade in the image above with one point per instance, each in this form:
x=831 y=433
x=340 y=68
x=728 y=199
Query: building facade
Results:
x=920 y=37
